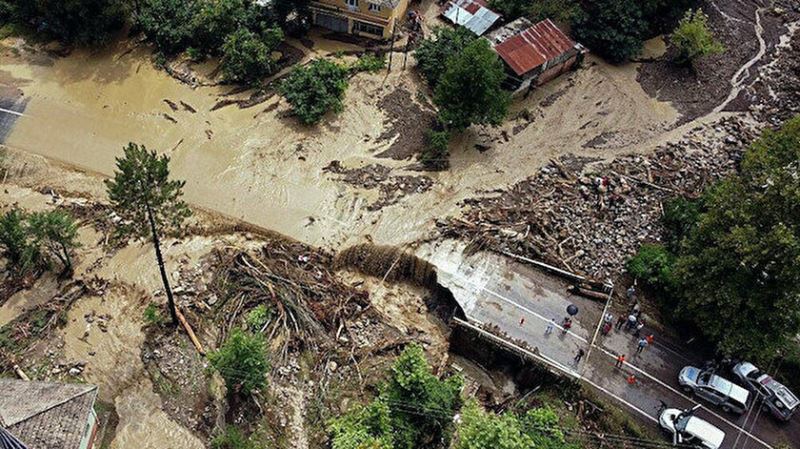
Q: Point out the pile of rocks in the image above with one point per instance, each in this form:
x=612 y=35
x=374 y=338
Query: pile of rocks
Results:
x=591 y=217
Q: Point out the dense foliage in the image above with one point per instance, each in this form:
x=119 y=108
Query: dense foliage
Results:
x=736 y=251
x=71 y=21
x=693 y=39
x=470 y=90
x=612 y=28
x=242 y=362
x=414 y=409
x=247 y=57
x=435 y=155
x=315 y=89
x=169 y=24
x=433 y=54
x=538 y=428
x=32 y=241
x=559 y=10
x=653 y=265
x=233 y=438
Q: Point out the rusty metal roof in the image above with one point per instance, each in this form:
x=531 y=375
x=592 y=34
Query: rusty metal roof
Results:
x=533 y=46
x=472 y=14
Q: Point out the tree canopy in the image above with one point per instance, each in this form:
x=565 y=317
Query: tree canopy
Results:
x=315 y=89
x=169 y=24
x=247 y=56
x=414 y=409
x=737 y=251
x=434 y=53
x=470 y=90
x=56 y=233
x=612 y=28
x=537 y=428
x=73 y=21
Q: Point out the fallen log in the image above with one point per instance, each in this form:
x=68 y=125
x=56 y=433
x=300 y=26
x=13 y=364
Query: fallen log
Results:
x=574 y=289
x=190 y=331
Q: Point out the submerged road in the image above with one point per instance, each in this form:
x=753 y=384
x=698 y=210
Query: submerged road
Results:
x=520 y=301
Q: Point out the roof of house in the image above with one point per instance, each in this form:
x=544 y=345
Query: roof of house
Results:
x=45 y=414
x=524 y=46
x=474 y=15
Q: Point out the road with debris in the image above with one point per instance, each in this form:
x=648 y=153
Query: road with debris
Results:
x=520 y=301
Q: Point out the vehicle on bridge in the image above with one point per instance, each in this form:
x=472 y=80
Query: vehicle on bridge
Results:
x=687 y=429
x=715 y=389
x=776 y=398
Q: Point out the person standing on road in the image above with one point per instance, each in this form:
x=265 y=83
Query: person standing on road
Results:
x=631 y=380
x=639 y=328
x=642 y=345
x=579 y=355
x=620 y=321
x=631 y=322
x=631 y=292
x=620 y=361
x=522 y=321
x=566 y=325
x=550 y=326
x=650 y=339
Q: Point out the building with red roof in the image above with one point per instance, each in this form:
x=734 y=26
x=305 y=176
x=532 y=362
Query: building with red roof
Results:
x=535 y=53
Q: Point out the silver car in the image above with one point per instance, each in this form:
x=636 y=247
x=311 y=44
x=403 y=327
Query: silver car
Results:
x=714 y=389
x=778 y=399
x=687 y=429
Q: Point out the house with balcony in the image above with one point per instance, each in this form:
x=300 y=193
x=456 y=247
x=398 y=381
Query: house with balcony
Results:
x=375 y=19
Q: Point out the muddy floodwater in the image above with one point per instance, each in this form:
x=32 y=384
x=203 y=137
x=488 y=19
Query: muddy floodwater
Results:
x=258 y=165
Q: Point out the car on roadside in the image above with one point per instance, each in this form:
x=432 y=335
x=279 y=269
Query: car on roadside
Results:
x=689 y=430
x=776 y=398
x=715 y=389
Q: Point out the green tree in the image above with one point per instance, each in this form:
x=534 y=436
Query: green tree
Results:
x=434 y=53
x=242 y=362
x=292 y=15
x=148 y=202
x=413 y=387
x=559 y=10
x=15 y=240
x=469 y=92
x=233 y=438
x=435 y=154
x=315 y=89
x=738 y=270
x=169 y=24
x=246 y=57
x=652 y=264
x=57 y=232
x=614 y=29
x=218 y=19
x=693 y=39
x=510 y=9
x=79 y=21
x=481 y=430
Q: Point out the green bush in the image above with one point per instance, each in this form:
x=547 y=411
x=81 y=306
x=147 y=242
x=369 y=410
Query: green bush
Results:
x=365 y=427
x=17 y=242
x=693 y=39
x=565 y=11
x=242 y=362
x=75 y=21
x=218 y=19
x=233 y=438
x=258 y=317
x=246 y=57
x=369 y=63
x=435 y=155
x=653 y=264
x=315 y=89
x=680 y=217
x=153 y=316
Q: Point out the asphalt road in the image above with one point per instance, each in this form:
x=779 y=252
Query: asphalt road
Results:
x=494 y=291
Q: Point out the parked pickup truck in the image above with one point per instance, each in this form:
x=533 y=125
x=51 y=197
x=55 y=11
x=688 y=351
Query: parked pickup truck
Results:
x=687 y=429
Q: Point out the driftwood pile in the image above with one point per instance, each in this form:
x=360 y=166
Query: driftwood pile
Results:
x=307 y=302
x=591 y=218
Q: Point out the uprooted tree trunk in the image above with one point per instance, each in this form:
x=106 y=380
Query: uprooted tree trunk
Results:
x=162 y=269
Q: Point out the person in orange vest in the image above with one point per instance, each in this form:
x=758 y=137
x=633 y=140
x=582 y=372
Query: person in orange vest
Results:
x=650 y=338
x=631 y=380
x=620 y=361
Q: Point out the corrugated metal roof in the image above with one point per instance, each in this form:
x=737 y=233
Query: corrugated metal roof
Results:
x=471 y=14
x=532 y=47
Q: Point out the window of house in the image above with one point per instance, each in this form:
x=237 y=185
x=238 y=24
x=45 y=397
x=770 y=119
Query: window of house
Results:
x=374 y=7
x=351 y=3
x=368 y=28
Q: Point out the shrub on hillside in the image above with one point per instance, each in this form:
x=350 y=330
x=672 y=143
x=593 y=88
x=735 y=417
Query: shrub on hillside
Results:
x=315 y=89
